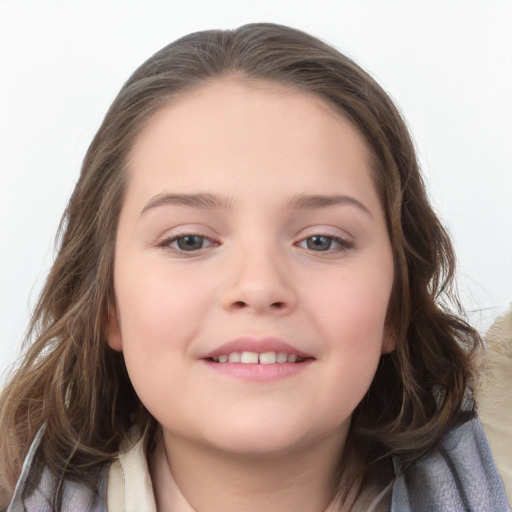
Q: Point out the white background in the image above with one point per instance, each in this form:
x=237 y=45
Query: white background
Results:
x=447 y=63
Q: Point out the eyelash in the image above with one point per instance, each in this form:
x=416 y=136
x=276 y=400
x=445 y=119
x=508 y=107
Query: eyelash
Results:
x=343 y=244
x=167 y=243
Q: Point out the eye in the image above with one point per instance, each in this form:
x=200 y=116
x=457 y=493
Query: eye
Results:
x=186 y=243
x=323 y=243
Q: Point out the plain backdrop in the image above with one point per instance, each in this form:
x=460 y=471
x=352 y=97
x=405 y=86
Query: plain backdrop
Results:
x=448 y=65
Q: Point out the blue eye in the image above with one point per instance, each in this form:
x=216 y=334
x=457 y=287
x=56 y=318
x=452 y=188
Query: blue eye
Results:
x=190 y=242
x=323 y=243
x=319 y=243
x=186 y=243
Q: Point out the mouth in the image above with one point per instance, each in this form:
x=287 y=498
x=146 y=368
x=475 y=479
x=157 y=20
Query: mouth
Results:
x=257 y=359
x=255 y=350
x=247 y=357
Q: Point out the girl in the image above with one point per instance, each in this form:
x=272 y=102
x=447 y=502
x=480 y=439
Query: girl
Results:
x=248 y=310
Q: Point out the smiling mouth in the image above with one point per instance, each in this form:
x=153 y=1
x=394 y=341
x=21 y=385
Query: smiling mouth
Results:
x=247 y=357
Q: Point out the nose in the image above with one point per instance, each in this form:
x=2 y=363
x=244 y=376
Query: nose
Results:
x=259 y=282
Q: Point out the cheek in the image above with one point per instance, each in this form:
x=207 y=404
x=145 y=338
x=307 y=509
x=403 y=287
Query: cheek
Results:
x=354 y=327
x=159 y=315
x=355 y=306
x=154 y=300
x=351 y=315
x=157 y=321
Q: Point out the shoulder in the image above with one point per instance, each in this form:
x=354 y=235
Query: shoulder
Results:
x=459 y=475
x=36 y=485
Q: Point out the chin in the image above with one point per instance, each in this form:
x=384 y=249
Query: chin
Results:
x=262 y=446
x=271 y=438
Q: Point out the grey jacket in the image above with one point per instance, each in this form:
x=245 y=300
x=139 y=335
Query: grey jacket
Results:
x=459 y=475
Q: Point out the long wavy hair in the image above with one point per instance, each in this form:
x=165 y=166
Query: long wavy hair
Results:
x=71 y=381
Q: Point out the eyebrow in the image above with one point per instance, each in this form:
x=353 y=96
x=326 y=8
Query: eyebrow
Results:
x=305 y=202
x=191 y=200
x=210 y=201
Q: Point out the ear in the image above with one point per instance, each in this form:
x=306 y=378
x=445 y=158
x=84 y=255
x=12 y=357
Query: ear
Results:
x=388 y=339
x=114 y=338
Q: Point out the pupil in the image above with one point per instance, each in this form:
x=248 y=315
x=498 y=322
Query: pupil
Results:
x=190 y=243
x=319 y=243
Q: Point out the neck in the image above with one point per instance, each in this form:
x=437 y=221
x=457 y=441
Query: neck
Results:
x=210 y=479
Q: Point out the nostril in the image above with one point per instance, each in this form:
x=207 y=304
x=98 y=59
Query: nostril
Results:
x=240 y=304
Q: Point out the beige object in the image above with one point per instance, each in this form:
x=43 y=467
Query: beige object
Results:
x=129 y=484
x=494 y=395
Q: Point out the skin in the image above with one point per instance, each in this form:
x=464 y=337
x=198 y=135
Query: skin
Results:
x=238 y=444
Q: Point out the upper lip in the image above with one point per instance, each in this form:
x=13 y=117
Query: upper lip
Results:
x=258 y=345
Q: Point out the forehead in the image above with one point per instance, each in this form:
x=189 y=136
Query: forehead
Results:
x=229 y=129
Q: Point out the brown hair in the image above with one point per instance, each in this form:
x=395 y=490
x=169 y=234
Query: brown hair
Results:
x=74 y=384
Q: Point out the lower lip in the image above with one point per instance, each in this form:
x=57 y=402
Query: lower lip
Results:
x=259 y=372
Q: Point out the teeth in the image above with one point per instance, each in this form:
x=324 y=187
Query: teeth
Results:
x=234 y=357
x=282 y=357
x=262 y=358
x=268 y=358
x=249 y=357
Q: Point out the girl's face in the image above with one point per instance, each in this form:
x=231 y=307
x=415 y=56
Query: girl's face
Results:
x=251 y=233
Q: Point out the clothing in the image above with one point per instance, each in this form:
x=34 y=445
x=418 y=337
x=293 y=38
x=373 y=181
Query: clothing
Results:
x=459 y=475
x=130 y=490
x=129 y=486
x=494 y=394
